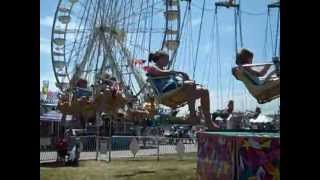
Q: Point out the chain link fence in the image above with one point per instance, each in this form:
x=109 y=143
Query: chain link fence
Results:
x=123 y=147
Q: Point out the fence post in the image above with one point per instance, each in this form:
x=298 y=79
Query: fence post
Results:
x=110 y=136
x=97 y=135
x=158 y=142
x=110 y=148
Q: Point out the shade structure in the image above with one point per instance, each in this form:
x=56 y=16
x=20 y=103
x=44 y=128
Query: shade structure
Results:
x=261 y=119
x=53 y=116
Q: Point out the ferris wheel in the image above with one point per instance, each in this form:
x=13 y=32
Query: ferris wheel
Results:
x=92 y=37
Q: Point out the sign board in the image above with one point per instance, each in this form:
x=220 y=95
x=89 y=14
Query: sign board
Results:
x=103 y=146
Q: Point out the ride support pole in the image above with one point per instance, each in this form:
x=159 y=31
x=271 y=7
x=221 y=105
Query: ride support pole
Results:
x=110 y=138
x=97 y=136
x=158 y=150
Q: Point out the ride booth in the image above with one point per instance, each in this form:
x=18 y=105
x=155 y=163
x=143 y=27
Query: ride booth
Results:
x=238 y=155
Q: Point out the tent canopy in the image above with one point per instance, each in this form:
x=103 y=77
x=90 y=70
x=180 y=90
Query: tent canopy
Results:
x=261 y=119
x=54 y=116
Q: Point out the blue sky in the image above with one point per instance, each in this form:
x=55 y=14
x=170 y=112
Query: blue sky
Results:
x=219 y=84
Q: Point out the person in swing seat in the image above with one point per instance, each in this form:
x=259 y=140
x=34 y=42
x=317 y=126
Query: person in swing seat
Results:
x=245 y=57
x=263 y=84
x=187 y=90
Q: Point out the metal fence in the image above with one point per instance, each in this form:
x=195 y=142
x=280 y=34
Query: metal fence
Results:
x=88 y=150
x=153 y=147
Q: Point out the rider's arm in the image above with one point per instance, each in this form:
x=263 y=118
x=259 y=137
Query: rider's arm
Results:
x=265 y=69
x=258 y=73
x=154 y=71
x=185 y=75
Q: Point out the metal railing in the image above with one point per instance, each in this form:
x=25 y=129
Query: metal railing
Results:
x=121 y=147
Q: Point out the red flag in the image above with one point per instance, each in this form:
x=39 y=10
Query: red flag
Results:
x=50 y=93
x=147 y=68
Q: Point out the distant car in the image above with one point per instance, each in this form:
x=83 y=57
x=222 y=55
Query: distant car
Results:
x=167 y=133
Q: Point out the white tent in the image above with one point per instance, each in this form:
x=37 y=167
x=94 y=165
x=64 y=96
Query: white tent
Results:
x=53 y=116
x=261 y=119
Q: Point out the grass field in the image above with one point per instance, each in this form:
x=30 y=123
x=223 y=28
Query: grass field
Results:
x=168 y=168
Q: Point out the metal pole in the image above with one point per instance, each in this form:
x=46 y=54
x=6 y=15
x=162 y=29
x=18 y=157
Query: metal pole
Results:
x=110 y=136
x=52 y=127
x=58 y=129
x=158 y=150
x=97 y=120
x=97 y=135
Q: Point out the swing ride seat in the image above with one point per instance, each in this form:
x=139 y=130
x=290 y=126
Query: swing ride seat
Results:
x=226 y=4
x=274 y=4
x=80 y=92
x=109 y=100
x=265 y=92
x=170 y=98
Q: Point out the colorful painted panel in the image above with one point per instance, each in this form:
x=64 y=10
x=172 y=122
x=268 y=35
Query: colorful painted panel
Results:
x=258 y=158
x=215 y=157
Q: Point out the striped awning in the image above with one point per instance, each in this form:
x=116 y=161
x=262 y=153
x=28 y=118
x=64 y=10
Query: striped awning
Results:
x=53 y=116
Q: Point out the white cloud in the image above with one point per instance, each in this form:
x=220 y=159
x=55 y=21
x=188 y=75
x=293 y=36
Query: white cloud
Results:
x=196 y=21
x=46 y=21
x=206 y=48
x=45 y=46
x=227 y=28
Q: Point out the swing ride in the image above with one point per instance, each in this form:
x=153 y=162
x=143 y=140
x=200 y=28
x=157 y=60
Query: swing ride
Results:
x=99 y=49
x=270 y=88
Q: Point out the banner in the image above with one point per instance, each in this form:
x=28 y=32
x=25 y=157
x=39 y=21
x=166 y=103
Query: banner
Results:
x=258 y=158
x=230 y=155
x=215 y=157
x=45 y=87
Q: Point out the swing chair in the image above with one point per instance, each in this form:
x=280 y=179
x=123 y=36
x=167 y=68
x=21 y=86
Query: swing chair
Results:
x=263 y=89
x=170 y=94
x=171 y=98
x=173 y=95
x=109 y=99
x=174 y=90
x=139 y=113
x=264 y=92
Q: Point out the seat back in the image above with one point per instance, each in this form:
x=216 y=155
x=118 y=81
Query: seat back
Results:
x=169 y=98
x=80 y=92
x=263 y=93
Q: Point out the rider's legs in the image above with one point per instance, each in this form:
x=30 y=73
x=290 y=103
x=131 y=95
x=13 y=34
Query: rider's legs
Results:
x=203 y=94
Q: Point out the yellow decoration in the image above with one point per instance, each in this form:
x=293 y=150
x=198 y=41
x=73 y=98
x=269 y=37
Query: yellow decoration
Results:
x=226 y=167
x=276 y=175
x=218 y=172
x=246 y=144
x=252 y=178
x=266 y=144
x=207 y=160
